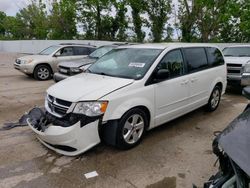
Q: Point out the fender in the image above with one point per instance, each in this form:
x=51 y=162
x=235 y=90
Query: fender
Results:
x=119 y=110
x=218 y=80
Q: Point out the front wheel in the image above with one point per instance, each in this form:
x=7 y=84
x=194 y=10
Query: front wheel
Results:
x=42 y=72
x=214 y=99
x=131 y=128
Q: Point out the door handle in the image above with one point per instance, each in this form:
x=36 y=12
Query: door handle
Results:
x=184 y=82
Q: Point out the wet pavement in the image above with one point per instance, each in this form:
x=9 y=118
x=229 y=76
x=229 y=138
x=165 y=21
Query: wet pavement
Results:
x=176 y=154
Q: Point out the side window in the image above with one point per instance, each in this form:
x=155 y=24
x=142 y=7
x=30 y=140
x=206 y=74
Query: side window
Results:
x=67 y=51
x=173 y=62
x=215 y=57
x=91 y=50
x=196 y=58
x=81 y=51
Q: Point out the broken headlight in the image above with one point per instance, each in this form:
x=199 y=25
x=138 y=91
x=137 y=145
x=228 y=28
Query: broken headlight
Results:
x=93 y=108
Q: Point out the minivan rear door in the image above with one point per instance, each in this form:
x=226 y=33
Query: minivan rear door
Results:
x=200 y=76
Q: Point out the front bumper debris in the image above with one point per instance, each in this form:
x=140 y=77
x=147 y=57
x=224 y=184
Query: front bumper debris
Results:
x=70 y=136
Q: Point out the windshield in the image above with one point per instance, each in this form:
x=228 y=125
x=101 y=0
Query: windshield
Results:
x=99 y=52
x=49 y=50
x=130 y=63
x=237 y=51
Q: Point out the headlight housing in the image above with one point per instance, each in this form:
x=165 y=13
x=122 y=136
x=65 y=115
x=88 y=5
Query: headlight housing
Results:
x=85 y=67
x=92 y=108
x=26 y=61
x=75 y=70
x=246 y=68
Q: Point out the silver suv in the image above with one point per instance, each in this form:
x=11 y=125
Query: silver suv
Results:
x=237 y=59
x=43 y=65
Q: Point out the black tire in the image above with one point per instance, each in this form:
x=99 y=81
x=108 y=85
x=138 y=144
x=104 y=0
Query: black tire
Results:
x=214 y=99
x=42 y=72
x=135 y=133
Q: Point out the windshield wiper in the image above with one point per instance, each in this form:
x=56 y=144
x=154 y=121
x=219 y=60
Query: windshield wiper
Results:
x=102 y=73
x=243 y=55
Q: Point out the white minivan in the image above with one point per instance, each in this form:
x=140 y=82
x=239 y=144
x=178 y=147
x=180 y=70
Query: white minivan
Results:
x=130 y=90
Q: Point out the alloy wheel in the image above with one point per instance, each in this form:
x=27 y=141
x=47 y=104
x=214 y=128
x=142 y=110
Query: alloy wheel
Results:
x=133 y=129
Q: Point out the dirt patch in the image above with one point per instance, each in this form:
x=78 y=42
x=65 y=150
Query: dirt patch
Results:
x=168 y=182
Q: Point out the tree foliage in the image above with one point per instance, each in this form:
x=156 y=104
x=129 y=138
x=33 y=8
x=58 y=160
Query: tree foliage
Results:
x=2 y=27
x=158 y=11
x=63 y=19
x=138 y=7
x=121 y=20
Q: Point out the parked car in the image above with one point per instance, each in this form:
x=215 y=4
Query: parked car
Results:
x=70 y=68
x=237 y=59
x=128 y=91
x=42 y=65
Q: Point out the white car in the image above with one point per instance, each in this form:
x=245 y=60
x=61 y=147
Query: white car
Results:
x=128 y=91
x=237 y=59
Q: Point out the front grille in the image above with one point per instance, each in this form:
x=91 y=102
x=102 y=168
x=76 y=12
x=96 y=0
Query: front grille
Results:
x=58 y=107
x=234 y=69
x=234 y=65
x=64 y=70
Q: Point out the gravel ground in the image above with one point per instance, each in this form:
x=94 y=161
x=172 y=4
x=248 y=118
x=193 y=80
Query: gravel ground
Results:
x=176 y=154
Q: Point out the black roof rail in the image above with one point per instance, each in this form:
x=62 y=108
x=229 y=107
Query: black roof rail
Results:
x=124 y=43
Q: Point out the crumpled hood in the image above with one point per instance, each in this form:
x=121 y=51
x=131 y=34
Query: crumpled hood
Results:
x=86 y=86
x=77 y=63
x=237 y=60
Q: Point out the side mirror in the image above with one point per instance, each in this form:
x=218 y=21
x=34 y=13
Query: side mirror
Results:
x=162 y=74
x=246 y=92
x=57 y=54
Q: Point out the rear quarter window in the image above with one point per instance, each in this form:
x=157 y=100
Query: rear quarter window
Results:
x=215 y=57
x=81 y=51
x=196 y=58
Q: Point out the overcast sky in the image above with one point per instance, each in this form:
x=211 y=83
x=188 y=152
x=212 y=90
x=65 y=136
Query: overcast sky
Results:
x=11 y=7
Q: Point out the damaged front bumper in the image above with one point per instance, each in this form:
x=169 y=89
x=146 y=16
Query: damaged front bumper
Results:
x=70 y=137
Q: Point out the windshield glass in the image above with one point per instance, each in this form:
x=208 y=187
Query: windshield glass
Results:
x=237 y=51
x=130 y=63
x=99 y=52
x=49 y=50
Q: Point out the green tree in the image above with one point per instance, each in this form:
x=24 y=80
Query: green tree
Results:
x=63 y=19
x=33 y=18
x=138 y=7
x=91 y=14
x=120 y=20
x=209 y=20
x=242 y=20
x=2 y=28
x=187 y=17
x=13 y=28
x=158 y=11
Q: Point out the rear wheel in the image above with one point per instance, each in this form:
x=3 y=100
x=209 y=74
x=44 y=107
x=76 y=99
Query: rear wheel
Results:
x=214 y=99
x=131 y=128
x=42 y=72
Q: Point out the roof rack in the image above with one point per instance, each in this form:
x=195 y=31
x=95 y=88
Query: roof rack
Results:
x=124 y=43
